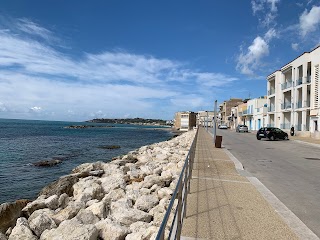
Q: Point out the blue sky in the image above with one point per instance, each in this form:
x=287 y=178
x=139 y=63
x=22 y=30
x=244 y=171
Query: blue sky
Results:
x=78 y=60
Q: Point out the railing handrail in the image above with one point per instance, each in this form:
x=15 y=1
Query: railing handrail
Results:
x=161 y=232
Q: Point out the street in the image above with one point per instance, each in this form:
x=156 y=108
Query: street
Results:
x=290 y=170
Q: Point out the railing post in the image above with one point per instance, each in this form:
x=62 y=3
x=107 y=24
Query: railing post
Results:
x=179 y=225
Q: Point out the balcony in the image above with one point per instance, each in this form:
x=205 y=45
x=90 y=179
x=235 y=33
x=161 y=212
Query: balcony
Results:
x=299 y=81
x=285 y=126
x=286 y=105
x=271 y=91
x=299 y=104
x=308 y=79
x=306 y=103
x=286 y=85
x=271 y=109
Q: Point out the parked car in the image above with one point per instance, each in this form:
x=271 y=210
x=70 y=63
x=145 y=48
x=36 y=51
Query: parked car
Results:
x=242 y=128
x=272 y=133
x=223 y=126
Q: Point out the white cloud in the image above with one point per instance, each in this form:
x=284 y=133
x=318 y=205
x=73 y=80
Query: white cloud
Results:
x=38 y=81
x=187 y=102
x=251 y=60
x=295 y=46
x=309 y=21
x=35 y=109
x=266 y=10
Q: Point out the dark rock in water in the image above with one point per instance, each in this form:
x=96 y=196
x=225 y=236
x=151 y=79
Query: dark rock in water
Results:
x=62 y=185
x=47 y=163
x=110 y=147
x=10 y=212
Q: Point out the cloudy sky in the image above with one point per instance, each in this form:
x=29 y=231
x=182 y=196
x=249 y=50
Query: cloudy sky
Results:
x=78 y=60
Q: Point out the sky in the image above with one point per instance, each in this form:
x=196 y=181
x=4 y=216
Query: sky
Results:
x=77 y=60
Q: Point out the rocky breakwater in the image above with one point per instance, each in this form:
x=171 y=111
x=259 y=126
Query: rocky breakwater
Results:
x=123 y=199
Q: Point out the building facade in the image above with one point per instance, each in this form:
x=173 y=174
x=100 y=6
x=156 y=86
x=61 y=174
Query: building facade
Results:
x=185 y=121
x=205 y=118
x=293 y=95
x=225 y=110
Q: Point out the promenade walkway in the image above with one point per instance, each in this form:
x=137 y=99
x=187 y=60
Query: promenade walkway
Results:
x=223 y=204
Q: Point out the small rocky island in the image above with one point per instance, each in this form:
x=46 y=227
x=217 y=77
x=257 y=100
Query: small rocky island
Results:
x=86 y=126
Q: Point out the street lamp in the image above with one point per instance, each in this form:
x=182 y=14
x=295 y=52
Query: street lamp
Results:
x=207 y=120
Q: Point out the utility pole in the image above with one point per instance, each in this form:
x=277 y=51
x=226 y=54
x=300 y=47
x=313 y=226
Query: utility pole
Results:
x=215 y=120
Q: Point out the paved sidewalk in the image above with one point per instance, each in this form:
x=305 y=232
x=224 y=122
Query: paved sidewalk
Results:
x=225 y=205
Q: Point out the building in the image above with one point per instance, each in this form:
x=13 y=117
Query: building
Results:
x=293 y=95
x=225 y=110
x=185 y=121
x=256 y=113
x=205 y=118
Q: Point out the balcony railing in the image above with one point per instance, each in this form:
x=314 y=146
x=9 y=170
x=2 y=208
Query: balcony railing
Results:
x=285 y=125
x=244 y=112
x=270 y=125
x=286 y=105
x=306 y=104
x=271 y=91
x=299 y=81
x=286 y=85
x=299 y=104
x=271 y=109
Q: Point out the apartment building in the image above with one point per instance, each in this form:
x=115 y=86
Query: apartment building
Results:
x=185 y=121
x=225 y=110
x=293 y=95
x=256 y=113
x=205 y=118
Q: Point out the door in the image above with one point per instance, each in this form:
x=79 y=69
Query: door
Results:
x=259 y=124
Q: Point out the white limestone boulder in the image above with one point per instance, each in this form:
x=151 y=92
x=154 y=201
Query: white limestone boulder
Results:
x=112 y=182
x=109 y=230
x=85 y=216
x=69 y=212
x=22 y=231
x=87 y=189
x=52 y=202
x=40 y=220
x=71 y=230
x=146 y=202
x=127 y=216
x=99 y=209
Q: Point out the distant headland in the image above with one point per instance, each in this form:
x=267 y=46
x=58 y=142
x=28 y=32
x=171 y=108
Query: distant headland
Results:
x=136 y=121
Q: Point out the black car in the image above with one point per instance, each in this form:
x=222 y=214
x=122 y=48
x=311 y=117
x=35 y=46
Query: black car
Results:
x=272 y=133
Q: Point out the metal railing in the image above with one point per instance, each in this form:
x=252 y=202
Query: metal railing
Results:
x=180 y=193
x=285 y=125
x=299 y=81
x=299 y=104
x=271 y=91
x=286 y=84
x=286 y=105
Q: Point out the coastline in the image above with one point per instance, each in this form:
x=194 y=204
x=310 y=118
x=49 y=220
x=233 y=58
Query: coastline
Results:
x=137 y=184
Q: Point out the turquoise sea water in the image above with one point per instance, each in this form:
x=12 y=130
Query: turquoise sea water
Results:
x=23 y=142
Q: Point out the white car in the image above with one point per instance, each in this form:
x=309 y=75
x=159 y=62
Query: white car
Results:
x=223 y=126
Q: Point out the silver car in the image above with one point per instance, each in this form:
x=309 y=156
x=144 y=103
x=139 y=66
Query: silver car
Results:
x=242 y=128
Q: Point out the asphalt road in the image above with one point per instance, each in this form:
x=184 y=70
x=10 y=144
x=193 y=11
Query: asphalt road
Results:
x=290 y=170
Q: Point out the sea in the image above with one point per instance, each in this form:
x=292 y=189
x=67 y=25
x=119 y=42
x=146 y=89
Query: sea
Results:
x=24 y=142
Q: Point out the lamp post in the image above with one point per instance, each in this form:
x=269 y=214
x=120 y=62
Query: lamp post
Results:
x=207 y=120
x=215 y=120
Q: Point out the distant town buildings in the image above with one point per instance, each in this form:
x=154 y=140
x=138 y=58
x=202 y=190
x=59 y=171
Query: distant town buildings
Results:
x=292 y=100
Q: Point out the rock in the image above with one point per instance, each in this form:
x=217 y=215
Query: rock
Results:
x=150 y=180
x=121 y=203
x=87 y=189
x=149 y=233
x=136 y=226
x=39 y=203
x=86 y=216
x=9 y=231
x=63 y=185
x=146 y=202
x=3 y=237
x=63 y=200
x=115 y=195
x=47 y=163
x=127 y=216
x=96 y=173
x=71 y=230
x=40 y=221
x=69 y=212
x=22 y=231
x=52 y=202
x=111 y=231
x=112 y=182
x=99 y=209
x=9 y=213
x=87 y=167
x=165 y=192
x=90 y=202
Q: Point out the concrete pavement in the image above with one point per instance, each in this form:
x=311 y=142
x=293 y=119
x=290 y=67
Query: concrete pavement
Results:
x=224 y=204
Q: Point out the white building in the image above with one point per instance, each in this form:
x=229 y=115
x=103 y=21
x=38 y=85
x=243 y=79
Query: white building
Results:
x=256 y=113
x=293 y=95
x=205 y=118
